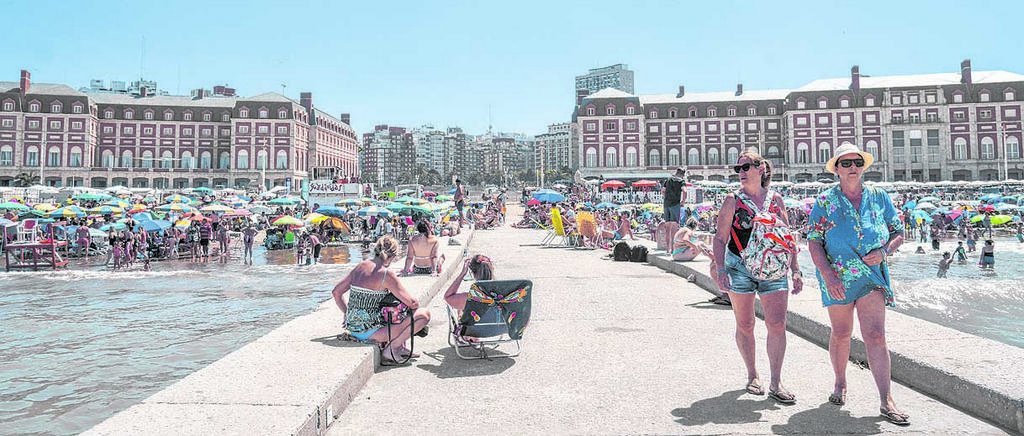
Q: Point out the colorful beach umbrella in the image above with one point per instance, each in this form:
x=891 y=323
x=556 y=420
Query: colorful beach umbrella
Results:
x=91 y=196
x=349 y=202
x=331 y=211
x=45 y=207
x=375 y=211
x=606 y=205
x=288 y=220
x=444 y=197
x=175 y=207
x=203 y=189
x=613 y=184
x=239 y=212
x=549 y=196
x=998 y=220
x=118 y=203
x=67 y=212
x=106 y=210
x=284 y=201
x=429 y=194
x=924 y=206
x=10 y=205
x=177 y=198
x=315 y=218
x=217 y=208
x=645 y=184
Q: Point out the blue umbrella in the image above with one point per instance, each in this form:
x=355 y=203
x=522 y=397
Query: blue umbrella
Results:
x=607 y=205
x=922 y=215
x=152 y=225
x=375 y=211
x=331 y=211
x=113 y=226
x=991 y=198
x=1004 y=206
x=910 y=205
x=548 y=196
x=930 y=199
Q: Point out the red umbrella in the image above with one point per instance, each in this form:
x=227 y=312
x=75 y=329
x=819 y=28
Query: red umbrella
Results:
x=614 y=184
x=645 y=184
x=429 y=194
x=533 y=202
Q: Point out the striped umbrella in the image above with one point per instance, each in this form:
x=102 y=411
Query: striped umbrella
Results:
x=174 y=207
x=45 y=207
x=90 y=196
x=106 y=210
x=68 y=212
x=331 y=211
x=288 y=220
x=238 y=212
x=348 y=202
x=10 y=205
x=217 y=208
x=284 y=201
x=315 y=218
x=375 y=211
x=177 y=198
x=118 y=203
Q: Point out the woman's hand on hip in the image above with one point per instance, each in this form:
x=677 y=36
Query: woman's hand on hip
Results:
x=874 y=257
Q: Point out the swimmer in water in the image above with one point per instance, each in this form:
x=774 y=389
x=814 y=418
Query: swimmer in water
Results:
x=944 y=264
x=920 y=250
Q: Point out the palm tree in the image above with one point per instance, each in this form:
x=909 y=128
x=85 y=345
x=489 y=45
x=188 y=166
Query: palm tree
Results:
x=26 y=179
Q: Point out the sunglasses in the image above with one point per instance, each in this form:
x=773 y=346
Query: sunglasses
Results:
x=745 y=167
x=846 y=163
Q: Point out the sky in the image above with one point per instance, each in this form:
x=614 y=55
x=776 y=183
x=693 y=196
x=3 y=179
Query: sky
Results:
x=463 y=63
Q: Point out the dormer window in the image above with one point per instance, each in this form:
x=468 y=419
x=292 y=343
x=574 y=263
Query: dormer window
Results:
x=147 y=115
x=751 y=111
x=168 y=116
x=869 y=101
x=653 y=115
x=673 y=113
x=129 y=114
x=801 y=104
x=76 y=108
x=243 y=113
x=591 y=111
x=630 y=110
x=55 y=108
x=187 y=116
x=822 y=103
x=264 y=113
x=712 y=112
x=731 y=111
x=34 y=106
x=983 y=97
x=282 y=114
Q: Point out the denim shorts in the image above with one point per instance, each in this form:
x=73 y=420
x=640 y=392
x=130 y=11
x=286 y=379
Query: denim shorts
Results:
x=743 y=283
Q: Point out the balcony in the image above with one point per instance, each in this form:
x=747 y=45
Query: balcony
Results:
x=901 y=121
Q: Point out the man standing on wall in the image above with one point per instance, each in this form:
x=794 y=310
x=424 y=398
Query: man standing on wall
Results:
x=674 y=195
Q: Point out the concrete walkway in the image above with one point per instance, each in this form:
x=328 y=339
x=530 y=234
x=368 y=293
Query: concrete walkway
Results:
x=616 y=348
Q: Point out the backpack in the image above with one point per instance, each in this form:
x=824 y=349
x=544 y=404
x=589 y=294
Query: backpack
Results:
x=771 y=243
x=621 y=252
x=638 y=254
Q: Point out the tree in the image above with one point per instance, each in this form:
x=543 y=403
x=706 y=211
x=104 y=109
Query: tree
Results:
x=26 y=179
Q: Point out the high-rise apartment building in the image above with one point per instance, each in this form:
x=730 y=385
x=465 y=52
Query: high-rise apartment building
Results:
x=430 y=148
x=617 y=76
x=388 y=155
x=553 y=149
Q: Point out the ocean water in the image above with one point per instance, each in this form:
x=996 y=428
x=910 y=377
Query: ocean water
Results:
x=985 y=303
x=77 y=346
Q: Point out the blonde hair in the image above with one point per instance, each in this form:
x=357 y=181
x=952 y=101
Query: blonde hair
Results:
x=386 y=248
x=755 y=157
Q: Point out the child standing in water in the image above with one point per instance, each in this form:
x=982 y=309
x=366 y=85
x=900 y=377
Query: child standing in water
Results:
x=944 y=264
x=961 y=254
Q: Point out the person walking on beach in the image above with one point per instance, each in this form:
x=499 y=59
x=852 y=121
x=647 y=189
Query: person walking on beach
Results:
x=460 y=201
x=854 y=228
x=223 y=239
x=735 y=227
x=674 y=195
x=248 y=237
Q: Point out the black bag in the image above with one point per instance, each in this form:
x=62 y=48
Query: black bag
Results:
x=621 y=252
x=638 y=254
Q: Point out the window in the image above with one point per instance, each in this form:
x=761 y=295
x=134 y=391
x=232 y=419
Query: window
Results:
x=54 y=125
x=823 y=120
x=915 y=117
x=611 y=157
x=751 y=111
x=630 y=110
x=930 y=98
x=55 y=108
x=32 y=156
x=800 y=104
x=206 y=116
x=630 y=126
x=713 y=156
x=610 y=126
x=167 y=159
x=913 y=99
x=129 y=114
x=281 y=161
x=731 y=127
x=693 y=113
x=772 y=125
x=1008 y=95
x=693 y=157
x=712 y=112
x=53 y=157
x=773 y=151
x=76 y=125
x=897 y=138
x=869 y=101
x=691 y=128
x=824 y=151
x=673 y=128
x=33 y=107
x=733 y=154
x=631 y=157
x=897 y=117
x=107 y=159
x=958 y=115
x=985 y=113
x=591 y=111
x=6 y=156
x=243 y=160
x=186 y=160
x=77 y=108
x=610 y=110
x=168 y=116
x=654 y=158
x=871 y=118
x=147 y=131
x=108 y=114
x=591 y=127
x=713 y=127
x=225 y=160
x=168 y=131
x=983 y=97
x=205 y=160
x=147 y=115
x=844 y=119
x=751 y=126
x=771 y=110
x=932 y=117
x=8 y=106
x=653 y=115
x=673 y=113
x=897 y=156
x=243 y=129
x=225 y=117
x=126 y=159
x=915 y=138
x=844 y=102
x=1012 y=147
x=282 y=130
x=243 y=113
x=33 y=124
x=591 y=157
x=673 y=157
x=187 y=116
x=897 y=99
x=75 y=157
x=186 y=132
x=261 y=159
x=264 y=113
x=872 y=147
x=7 y=122
x=988 y=148
x=933 y=137
x=731 y=112
x=915 y=154
x=282 y=113
x=263 y=130
x=822 y=103
x=960 y=149
x=933 y=154
x=958 y=98
x=147 y=159
x=1010 y=113
x=800 y=121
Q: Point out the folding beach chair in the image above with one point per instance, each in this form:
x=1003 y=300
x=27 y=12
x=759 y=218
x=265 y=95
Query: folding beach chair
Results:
x=558 y=230
x=497 y=312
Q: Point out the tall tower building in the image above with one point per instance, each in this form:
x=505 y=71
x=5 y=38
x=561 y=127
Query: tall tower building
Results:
x=617 y=76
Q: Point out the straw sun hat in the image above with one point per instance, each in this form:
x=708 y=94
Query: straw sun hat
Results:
x=845 y=149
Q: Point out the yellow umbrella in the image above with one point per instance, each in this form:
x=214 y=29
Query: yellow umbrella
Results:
x=182 y=223
x=315 y=218
x=45 y=207
x=288 y=220
x=139 y=207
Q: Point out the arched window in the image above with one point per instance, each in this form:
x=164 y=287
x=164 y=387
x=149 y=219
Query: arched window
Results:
x=167 y=159
x=1012 y=147
x=591 y=111
x=75 y=157
x=281 y=113
x=281 y=160
x=147 y=159
x=55 y=107
x=168 y=115
x=243 y=160
x=129 y=114
x=205 y=159
x=988 y=148
x=6 y=156
x=225 y=160
x=960 y=149
x=631 y=157
x=264 y=113
x=654 y=158
x=693 y=157
x=261 y=160
x=32 y=156
x=802 y=152
x=611 y=157
x=148 y=114
x=713 y=156
x=733 y=154
x=824 y=151
x=108 y=114
x=872 y=147
x=591 y=157
x=53 y=157
x=126 y=159
x=186 y=160
x=773 y=151
x=107 y=159
x=630 y=110
x=673 y=157
x=243 y=113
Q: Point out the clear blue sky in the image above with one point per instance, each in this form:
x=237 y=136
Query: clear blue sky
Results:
x=446 y=62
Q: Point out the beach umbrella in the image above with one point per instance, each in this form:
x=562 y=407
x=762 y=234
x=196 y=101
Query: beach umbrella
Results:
x=924 y=206
x=930 y=199
x=548 y=196
x=921 y=215
x=238 y=212
x=998 y=220
x=443 y=197
x=284 y=201
x=143 y=216
x=118 y=203
x=606 y=205
x=429 y=194
x=791 y=203
x=348 y=202
x=203 y=190
x=177 y=198
x=182 y=224
x=113 y=226
x=288 y=220
x=613 y=184
x=331 y=211
x=106 y=210
x=1002 y=207
x=532 y=202
x=67 y=212
x=992 y=198
x=410 y=200
x=375 y=211
x=45 y=207
x=217 y=208
x=645 y=184
x=415 y=208
x=338 y=224
x=260 y=209
x=315 y=218
x=138 y=208
x=406 y=192
x=174 y=207
x=987 y=208
x=649 y=206
x=149 y=199
x=33 y=213
x=91 y=196
x=152 y=225
x=10 y=205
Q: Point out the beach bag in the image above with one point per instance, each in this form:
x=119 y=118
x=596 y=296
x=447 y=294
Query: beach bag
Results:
x=638 y=254
x=393 y=310
x=771 y=243
x=621 y=252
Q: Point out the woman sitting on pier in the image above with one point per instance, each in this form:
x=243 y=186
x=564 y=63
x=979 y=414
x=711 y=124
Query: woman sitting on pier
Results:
x=421 y=255
x=371 y=284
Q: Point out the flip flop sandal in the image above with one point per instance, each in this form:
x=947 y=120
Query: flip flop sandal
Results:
x=895 y=417
x=837 y=398
x=720 y=301
x=754 y=388
x=782 y=397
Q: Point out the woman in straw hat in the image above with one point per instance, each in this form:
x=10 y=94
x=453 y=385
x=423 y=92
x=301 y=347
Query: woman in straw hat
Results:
x=853 y=229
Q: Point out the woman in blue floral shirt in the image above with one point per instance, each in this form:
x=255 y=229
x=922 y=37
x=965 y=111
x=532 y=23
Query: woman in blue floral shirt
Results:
x=853 y=229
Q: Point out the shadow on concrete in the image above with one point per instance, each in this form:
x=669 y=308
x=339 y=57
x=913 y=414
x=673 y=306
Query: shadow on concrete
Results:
x=337 y=341
x=451 y=366
x=727 y=408
x=829 y=419
x=708 y=305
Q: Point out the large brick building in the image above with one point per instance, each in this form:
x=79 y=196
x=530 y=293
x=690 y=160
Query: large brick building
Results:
x=72 y=138
x=946 y=126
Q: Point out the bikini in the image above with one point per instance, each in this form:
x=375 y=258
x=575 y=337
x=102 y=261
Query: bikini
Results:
x=364 y=317
x=416 y=269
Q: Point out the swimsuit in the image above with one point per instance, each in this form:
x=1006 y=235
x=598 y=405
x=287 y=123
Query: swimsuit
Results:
x=364 y=317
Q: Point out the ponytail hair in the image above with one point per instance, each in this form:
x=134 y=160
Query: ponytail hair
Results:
x=755 y=157
x=482 y=267
x=386 y=248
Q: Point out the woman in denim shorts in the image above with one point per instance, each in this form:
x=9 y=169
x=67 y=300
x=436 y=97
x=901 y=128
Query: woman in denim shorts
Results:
x=734 y=229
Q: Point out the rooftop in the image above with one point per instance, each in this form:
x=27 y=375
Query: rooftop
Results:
x=609 y=93
x=911 y=80
x=41 y=88
x=698 y=97
x=164 y=100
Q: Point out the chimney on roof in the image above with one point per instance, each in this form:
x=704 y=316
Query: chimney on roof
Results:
x=739 y=89
x=682 y=91
x=26 y=81
x=143 y=91
x=965 y=72
x=580 y=95
x=346 y=118
x=855 y=78
x=306 y=100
